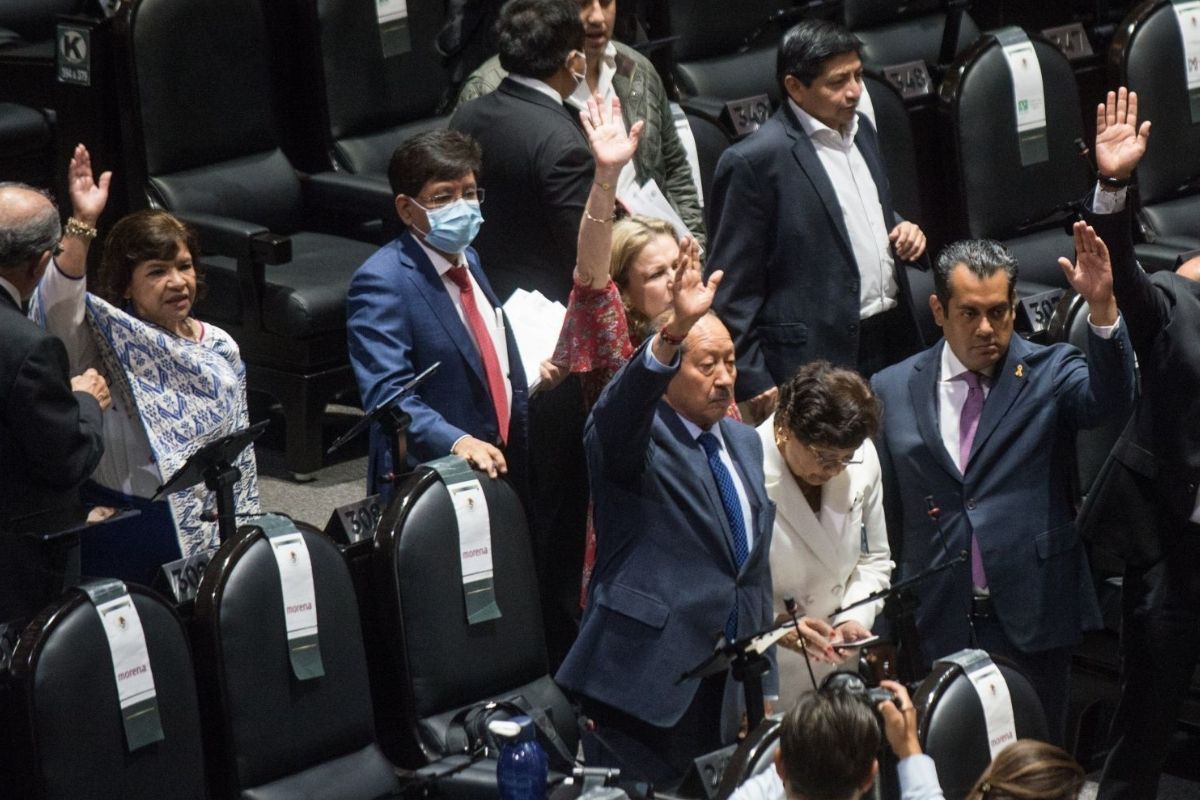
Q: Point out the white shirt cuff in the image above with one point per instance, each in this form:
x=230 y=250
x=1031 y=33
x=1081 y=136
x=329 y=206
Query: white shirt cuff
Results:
x=654 y=364
x=1104 y=331
x=1108 y=202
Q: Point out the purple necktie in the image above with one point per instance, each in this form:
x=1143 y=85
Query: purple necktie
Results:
x=968 y=423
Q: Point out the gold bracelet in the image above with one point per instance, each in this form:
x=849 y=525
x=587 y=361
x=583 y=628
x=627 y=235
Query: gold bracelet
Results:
x=601 y=220
x=78 y=228
x=605 y=186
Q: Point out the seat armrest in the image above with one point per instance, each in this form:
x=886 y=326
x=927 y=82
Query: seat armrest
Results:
x=235 y=238
x=367 y=196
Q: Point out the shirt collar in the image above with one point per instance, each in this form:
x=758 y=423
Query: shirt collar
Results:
x=695 y=430
x=608 y=68
x=12 y=291
x=952 y=367
x=814 y=128
x=439 y=261
x=538 y=86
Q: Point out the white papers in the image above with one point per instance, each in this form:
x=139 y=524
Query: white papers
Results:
x=535 y=322
x=1188 y=15
x=648 y=200
x=474 y=530
x=1028 y=91
x=127 y=643
x=296 y=580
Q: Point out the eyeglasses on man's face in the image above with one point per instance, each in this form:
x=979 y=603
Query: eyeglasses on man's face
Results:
x=442 y=199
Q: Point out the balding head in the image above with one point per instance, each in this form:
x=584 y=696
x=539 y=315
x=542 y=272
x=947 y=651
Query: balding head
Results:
x=29 y=231
x=1190 y=269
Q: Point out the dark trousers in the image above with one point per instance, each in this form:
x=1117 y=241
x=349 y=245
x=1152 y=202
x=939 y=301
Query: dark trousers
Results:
x=647 y=752
x=885 y=339
x=1160 y=642
x=1049 y=671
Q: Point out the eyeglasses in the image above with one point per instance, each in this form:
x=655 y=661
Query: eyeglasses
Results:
x=826 y=460
x=441 y=200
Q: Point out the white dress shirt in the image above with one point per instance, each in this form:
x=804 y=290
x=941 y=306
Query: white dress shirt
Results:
x=862 y=211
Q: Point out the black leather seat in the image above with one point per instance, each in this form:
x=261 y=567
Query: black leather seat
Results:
x=896 y=33
x=202 y=142
x=730 y=56
x=64 y=709
x=362 y=101
x=26 y=144
x=1028 y=208
x=952 y=727
x=1147 y=55
x=711 y=140
x=270 y=735
x=435 y=664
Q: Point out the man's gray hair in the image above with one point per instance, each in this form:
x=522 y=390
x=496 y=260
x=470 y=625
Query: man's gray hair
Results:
x=24 y=239
x=983 y=258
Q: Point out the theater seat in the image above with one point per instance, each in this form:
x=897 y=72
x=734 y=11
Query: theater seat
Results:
x=66 y=717
x=434 y=663
x=1027 y=207
x=896 y=33
x=953 y=732
x=1147 y=56
x=271 y=735
x=202 y=142
x=730 y=56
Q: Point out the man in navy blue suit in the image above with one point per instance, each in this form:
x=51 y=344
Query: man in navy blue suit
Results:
x=683 y=530
x=423 y=298
x=984 y=423
x=801 y=220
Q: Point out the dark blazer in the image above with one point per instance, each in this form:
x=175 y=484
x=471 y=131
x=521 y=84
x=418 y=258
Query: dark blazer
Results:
x=537 y=173
x=399 y=320
x=665 y=577
x=1163 y=314
x=50 y=437
x=791 y=287
x=50 y=441
x=1015 y=495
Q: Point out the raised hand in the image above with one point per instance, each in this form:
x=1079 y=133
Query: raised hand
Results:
x=88 y=196
x=612 y=146
x=692 y=296
x=689 y=255
x=1091 y=274
x=1120 y=142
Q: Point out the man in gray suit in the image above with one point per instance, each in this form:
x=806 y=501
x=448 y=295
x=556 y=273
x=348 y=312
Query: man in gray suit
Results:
x=801 y=220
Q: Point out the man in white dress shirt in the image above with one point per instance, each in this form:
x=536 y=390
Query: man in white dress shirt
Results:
x=802 y=222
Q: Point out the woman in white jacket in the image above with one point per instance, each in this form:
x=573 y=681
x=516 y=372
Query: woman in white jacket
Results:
x=830 y=545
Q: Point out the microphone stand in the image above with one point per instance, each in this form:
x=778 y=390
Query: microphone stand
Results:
x=394 y=421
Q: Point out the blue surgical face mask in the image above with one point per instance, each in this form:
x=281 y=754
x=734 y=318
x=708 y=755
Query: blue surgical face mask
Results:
x=452 y=227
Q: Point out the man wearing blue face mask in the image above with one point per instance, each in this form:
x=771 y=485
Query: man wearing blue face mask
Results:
x=423 y=298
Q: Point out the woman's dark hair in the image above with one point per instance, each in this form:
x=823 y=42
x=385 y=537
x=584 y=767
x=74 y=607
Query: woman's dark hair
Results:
x=1029 y=770
x=536 y=36
x=828 y=406
x=147 y=235
x=440 y=155
x=827 y=744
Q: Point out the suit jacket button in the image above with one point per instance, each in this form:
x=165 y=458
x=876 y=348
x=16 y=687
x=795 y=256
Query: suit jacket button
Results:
x=971 y=504
x=852 y=327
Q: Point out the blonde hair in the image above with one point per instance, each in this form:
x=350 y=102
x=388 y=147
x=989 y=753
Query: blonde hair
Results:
x=1029 y=770
x=630 y=236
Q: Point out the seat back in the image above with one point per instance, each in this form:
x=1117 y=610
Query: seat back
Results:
x=1147 y=54
x=952 y=726
x=896 y=143
x=896 y=33
x=35 y=20
x=69 y=717
x=1025 y=206
x=370 y=88
x=442 y=663
x=271 y=735
x=711 y=141
x=201 y=124
x=710 y=57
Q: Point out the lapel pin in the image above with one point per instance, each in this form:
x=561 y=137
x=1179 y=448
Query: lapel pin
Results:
x=1019 y=371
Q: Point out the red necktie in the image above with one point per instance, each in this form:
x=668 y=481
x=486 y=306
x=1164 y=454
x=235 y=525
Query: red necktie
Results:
x=487 y=351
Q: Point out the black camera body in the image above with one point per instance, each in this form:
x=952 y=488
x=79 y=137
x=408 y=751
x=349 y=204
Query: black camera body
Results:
x=853 y=685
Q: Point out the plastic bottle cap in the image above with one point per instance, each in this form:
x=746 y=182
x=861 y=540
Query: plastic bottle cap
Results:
x=505 y=727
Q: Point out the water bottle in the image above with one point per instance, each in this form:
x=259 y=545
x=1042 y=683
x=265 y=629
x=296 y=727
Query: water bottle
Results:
x=522 y=768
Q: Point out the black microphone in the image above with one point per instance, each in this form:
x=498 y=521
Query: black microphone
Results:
x=791 y=607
